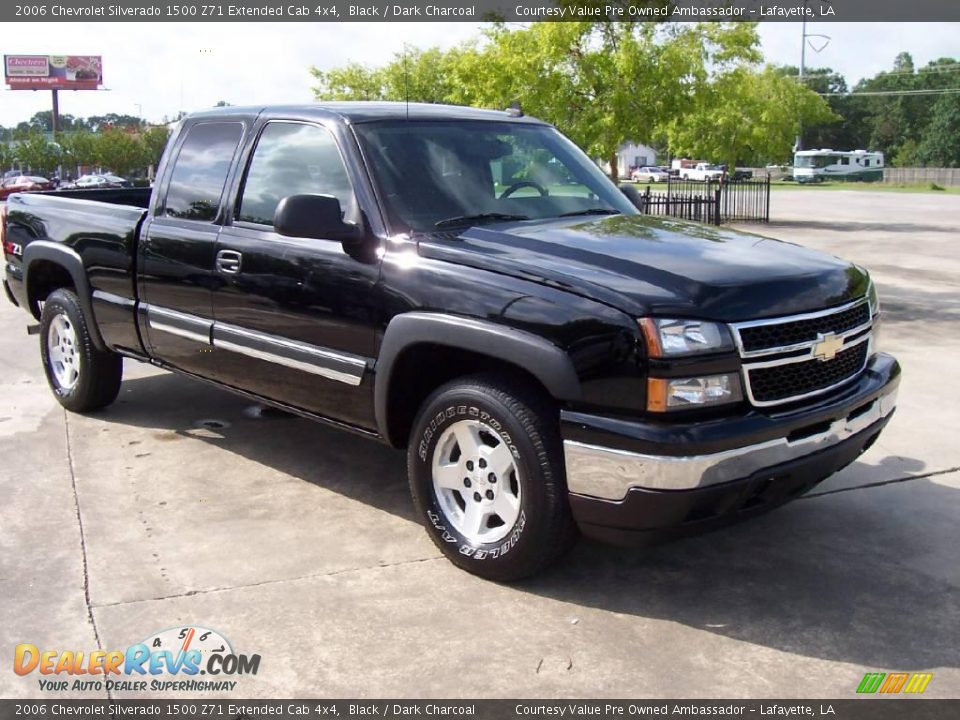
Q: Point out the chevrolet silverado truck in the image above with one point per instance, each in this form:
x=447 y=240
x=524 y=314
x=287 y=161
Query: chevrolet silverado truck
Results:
x=468 y=285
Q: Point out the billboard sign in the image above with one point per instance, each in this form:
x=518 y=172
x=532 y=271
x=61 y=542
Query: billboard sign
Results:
x=53 y=72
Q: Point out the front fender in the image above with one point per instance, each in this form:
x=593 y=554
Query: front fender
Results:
x=541 y=358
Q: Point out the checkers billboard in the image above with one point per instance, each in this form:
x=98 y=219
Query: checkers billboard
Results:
x=53 y=72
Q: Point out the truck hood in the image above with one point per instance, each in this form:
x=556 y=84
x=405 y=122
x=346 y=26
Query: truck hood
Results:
x=660 y=266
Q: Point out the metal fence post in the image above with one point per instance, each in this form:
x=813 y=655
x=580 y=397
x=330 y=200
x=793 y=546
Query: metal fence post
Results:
x=766 y=210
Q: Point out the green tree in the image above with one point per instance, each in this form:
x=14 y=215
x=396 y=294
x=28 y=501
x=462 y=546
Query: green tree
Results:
x=43 y=122
x=120 y=151
x=115 y=121
x=747 y=115
x=896 y=120
x=431 y=75
x=6 y=156
x=37 y=153
x=941 y=141
x=602 y=83
x=154 y=141
x=79 y=148
x=844 y=131
x=350 y=82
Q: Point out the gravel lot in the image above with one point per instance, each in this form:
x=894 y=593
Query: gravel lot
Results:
x=298 y=542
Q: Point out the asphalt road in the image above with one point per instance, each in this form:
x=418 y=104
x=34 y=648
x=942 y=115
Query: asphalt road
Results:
x=298 y=543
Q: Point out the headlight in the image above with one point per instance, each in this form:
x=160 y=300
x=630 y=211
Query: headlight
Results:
x=665 y=394
x=873 y=299
x=677 y=338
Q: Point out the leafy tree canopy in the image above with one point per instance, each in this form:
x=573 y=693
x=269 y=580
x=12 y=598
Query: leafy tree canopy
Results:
x=604 y=83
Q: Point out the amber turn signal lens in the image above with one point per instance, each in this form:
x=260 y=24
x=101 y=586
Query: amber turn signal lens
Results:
x=665 y=394
x=651 y=334
x=656 y=394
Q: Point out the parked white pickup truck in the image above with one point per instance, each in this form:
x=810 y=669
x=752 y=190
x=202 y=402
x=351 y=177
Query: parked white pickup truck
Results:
x=702 y=172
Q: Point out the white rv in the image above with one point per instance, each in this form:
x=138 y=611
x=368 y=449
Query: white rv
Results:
x=820 y=165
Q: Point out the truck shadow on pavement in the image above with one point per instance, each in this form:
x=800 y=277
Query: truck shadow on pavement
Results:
x=866 y=576
x=860 y=575
x=904 y=306
x=857 y=226
x=350 y=465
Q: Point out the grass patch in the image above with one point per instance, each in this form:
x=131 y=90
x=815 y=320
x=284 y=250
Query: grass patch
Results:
x=865 y=187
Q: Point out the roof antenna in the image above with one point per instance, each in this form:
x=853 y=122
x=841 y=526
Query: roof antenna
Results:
x=406 y=89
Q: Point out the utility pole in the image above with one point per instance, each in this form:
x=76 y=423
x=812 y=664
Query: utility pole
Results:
x=798 y=144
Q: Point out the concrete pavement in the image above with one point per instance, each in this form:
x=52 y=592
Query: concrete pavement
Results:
x=298 y=542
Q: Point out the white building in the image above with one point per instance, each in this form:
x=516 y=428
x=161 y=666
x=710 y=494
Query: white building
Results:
x=631 y=155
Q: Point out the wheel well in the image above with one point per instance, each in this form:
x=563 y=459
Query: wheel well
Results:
x=45 y=277
x=422 y=368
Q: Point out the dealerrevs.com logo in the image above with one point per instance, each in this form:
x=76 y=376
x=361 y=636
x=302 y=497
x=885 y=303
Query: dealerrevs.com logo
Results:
x=169 y=660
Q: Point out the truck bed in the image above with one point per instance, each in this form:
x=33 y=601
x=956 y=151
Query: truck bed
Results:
x=99 y=228
x=135 y=197
x=65 y=213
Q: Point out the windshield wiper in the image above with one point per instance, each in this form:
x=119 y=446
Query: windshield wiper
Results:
x=462 y=219
x=591 y=211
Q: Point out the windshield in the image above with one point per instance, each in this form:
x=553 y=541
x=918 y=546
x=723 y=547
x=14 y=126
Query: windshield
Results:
x=815 y=161
x=459 y=173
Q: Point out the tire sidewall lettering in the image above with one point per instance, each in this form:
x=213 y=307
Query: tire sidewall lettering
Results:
x=435 y=518
x=55 y=386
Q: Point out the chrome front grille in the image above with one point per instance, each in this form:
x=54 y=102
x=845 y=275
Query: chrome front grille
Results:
x=792 y=358
x=756 y=338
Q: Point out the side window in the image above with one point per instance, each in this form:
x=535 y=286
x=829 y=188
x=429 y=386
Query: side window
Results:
x=200 y=170
x=292 y=159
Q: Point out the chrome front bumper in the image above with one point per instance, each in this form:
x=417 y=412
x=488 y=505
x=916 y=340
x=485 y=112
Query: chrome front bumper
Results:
x=608 y=473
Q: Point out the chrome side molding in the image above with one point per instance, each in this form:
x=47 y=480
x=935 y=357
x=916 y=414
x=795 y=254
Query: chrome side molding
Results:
x=343 y=368
x=307 y=358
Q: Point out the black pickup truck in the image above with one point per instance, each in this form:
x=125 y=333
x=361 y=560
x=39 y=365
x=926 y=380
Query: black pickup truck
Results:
x=468 y=285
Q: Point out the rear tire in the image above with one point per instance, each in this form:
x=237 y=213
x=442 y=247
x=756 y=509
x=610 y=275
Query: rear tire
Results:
x=82 y=377
x=486 y=472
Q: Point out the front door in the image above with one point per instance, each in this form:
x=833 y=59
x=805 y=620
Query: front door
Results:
x=294 y=316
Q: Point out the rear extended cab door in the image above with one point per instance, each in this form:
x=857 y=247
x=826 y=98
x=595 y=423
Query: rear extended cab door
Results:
x=177 y=245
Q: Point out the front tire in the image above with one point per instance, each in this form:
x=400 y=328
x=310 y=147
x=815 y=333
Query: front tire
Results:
x=486 y=473
x=81 y=377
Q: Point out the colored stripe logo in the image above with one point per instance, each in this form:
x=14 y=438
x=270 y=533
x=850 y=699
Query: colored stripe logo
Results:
x=894 y=683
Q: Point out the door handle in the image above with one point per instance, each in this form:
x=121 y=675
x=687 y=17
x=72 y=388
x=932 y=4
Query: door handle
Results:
x=229 y=261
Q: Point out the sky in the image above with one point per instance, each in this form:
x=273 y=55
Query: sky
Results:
x=156 y=69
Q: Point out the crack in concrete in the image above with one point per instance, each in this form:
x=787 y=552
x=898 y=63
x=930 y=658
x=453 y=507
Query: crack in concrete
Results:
x=881 y=483
x=83 y=538
x=308 y=576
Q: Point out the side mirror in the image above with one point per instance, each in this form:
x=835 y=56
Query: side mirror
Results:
x=634 y=196
x=313 y=216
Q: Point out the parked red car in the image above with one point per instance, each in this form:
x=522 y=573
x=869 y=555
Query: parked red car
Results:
x=23 y=183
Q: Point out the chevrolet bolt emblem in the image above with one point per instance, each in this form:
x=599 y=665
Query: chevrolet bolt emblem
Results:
x=827 y=347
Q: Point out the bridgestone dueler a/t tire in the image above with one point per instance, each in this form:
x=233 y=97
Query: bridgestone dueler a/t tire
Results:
x=544 y=530
x=100 y=373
